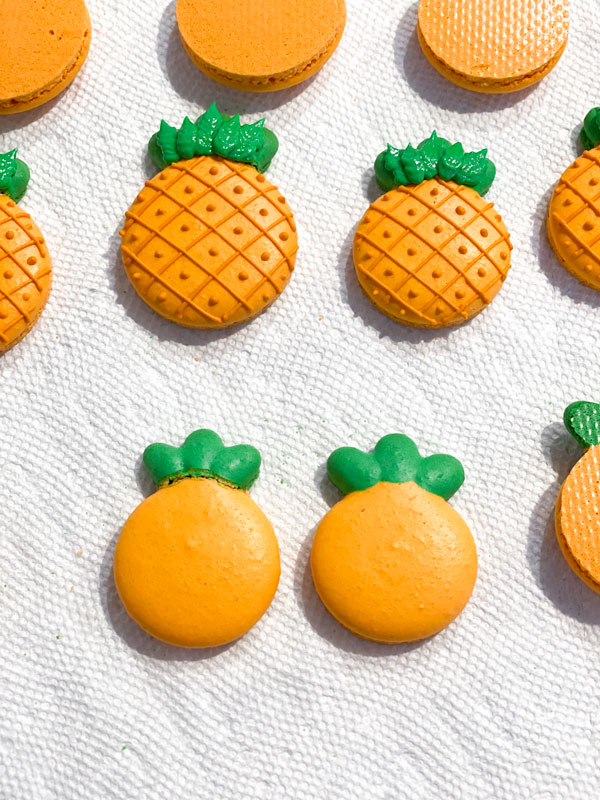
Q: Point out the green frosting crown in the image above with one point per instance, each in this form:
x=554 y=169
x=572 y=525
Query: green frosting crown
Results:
x=214 y=133
x=582 y=420
x=590 y=133
x=14 y=175
x=395 y=459
x=434 y=157
x=203 y=455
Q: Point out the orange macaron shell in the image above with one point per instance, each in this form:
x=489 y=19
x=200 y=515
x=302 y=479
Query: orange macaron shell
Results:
x=197 y=563
x=42 y=48
x=25 y=273
x=261 y=45
x=394 y=563
x=572 y=220
x=577 y=519
x=493 y=45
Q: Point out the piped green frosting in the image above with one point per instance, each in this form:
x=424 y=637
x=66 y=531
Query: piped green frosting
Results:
x=395 y=459
x=582 y=420
x=590 y=133
x=14 y=175
x=434 y=157
x=214 y=133
x=203 y=455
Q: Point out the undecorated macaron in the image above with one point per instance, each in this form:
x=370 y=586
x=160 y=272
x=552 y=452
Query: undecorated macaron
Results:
x=493 y=45
x=43 y=44
x=260 y=45
x=393 y=562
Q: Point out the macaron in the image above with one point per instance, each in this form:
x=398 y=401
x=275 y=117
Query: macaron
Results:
x=576 y=516
x=392 y=561
x=42 y=48
x=493 y=46
x=260 y=45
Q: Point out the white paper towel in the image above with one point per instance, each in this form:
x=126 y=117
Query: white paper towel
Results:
x=503 y=704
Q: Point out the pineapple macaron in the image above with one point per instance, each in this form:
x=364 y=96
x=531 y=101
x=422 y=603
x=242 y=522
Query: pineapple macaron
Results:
x=25 y=264
x=493 y=46
x=573 y=221
x=431 y=252
x=393 y=562
x=197 y=563
x=209 y=242
x=576 y=517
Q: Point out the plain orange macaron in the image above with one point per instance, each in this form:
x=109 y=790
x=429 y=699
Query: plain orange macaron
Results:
x=260 y=45
x=493 y=45
x=43 y=44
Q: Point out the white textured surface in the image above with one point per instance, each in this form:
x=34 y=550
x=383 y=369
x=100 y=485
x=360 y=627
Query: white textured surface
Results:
x=504 y=703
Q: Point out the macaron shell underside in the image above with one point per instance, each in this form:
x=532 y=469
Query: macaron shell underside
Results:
x=578 y=518
x=500 y=45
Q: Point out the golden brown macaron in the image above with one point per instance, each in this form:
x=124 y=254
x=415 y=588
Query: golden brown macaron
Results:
x=42 y=48
x=260 y=45
x=493 y=45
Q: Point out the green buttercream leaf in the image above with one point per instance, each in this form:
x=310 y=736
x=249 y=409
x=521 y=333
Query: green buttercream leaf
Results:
x=582 y=420
x=167 y=142
x=227 y=137
x=14 y=176
x=434 y=157
x=186 y=139
x=440 y=474
x=351 y=470
x=450 y=161
x=398 y=457
x=214 y=133
x=590 y=133
x=413 y=164
x=203 y=454
x=395 y=459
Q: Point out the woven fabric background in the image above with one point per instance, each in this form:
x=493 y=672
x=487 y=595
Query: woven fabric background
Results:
x=501 y=705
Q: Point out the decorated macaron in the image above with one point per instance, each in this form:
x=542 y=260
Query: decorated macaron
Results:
x=577 y=519
x=573 y=221
x=261 y=45
x=209 y=242
x=393 y=561
x=197 y=563
x=493 y=45
x=431 y=252
x=42 y=48
x=25 y=264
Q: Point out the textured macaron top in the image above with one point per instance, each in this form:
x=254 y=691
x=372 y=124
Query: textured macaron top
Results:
x=494 y=39
x=40 y=41
x=260 y=37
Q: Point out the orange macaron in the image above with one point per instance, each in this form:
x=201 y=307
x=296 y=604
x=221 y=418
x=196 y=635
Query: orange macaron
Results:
x=493 y=45
x=576 y=516
x=42 y=48
x=261 y=45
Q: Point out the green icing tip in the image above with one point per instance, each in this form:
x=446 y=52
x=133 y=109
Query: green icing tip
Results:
x=434 y=157
x=582 y=420
x=203 y=455
x=14 y=175
x=217 y=134
x=395 y=459
x=590 y=132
